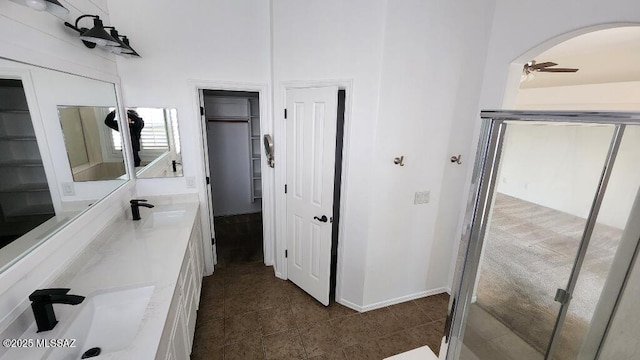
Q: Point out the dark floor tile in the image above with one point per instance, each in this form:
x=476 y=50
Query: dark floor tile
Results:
x=307 y=313
x=212 y=290
x=428 y=334
x=364 y=351
x=397 y=343
x=238 y=284
x=283 y=345
x=240 y=304
x=382 y=321
x=273 y=298
x=276 y=320
x=202 y=350
x=210 y=309
x=352 y=330
x=210 y=332
x=409 y=314
x=240 y=327
x=319 y=339
x=335 y=354
x=336 y=310
x=434 y=306
x=248 y=349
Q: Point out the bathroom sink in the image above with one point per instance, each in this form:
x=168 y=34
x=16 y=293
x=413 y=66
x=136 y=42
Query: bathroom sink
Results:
x=107 y=320
x=159 y=219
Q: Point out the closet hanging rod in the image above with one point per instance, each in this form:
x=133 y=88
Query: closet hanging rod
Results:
x=228 y=120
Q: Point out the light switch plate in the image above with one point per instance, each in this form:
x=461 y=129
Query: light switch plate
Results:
x=68 y=189
x=191 y=182
x=421 y=197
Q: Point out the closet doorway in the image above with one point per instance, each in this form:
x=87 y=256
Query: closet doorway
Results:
x=234 y=152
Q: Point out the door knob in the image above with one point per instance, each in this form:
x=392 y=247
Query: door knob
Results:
x=321 y=219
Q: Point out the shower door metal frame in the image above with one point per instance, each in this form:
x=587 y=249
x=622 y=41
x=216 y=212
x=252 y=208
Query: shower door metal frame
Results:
x=483 y=189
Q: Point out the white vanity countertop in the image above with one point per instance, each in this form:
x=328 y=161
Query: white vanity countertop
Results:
x=132 y=256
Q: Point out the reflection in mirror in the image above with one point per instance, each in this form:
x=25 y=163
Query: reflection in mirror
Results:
x=40 y=192
x=25 y=199
x=157 y=144
x=93 y=153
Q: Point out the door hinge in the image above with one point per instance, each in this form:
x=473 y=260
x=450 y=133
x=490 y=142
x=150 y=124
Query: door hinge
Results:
x=208 y=180
x=562 y=296
x=285 y=188
x=213 y=241
x=285 y=113
x=286 y=253
x=201 y=111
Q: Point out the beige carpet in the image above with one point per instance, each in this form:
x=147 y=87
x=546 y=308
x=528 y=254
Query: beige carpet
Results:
x=529 y=253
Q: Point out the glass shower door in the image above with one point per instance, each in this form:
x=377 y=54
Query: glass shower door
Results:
x=538 y=189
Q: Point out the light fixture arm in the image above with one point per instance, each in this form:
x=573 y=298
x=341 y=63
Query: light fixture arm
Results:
x=75 y=27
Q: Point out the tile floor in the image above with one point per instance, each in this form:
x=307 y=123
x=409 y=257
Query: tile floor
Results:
x=239 y=238
x=247 y=313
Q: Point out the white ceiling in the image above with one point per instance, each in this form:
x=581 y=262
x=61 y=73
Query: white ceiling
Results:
x=604 y=56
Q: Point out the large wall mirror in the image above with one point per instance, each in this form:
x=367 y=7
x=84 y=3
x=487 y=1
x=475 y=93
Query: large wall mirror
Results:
x=57 y=156
x=155 y=141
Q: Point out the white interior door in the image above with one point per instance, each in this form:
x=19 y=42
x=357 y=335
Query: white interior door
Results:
x=311 y=142
x=207 y=169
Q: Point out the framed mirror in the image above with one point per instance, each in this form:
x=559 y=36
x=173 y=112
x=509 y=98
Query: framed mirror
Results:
x=50 y=153
x=155 y=141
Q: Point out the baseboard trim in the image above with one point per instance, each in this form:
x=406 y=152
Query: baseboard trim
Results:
x=350 y=305
x=401 y=299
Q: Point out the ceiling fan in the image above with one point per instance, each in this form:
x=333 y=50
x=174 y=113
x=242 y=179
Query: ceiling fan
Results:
x=548 y=66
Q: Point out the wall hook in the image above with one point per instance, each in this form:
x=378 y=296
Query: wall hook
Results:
x=399 y=161
x=457 y=159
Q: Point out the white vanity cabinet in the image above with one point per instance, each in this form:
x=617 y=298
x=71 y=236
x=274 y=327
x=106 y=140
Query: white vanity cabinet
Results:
x=177 y=336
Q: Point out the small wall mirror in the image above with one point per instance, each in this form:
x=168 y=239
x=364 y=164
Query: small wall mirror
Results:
x=155 y=141
x=94 y=148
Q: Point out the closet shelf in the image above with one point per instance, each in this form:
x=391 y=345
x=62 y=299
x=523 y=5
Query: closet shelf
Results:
x=17 y=138
x=26 y=188
x=31 y=210
x=13 y=111
x=20 y=163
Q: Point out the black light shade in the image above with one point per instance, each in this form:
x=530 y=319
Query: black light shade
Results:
x=122 y=48
x=98 y=35
x=133 y=53
x=51 y=6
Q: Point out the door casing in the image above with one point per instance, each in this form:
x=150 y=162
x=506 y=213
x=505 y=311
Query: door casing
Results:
x=266 y=127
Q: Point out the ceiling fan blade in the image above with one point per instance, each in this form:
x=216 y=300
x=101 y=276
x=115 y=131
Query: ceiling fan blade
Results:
x=559 y=70
x=543 y=65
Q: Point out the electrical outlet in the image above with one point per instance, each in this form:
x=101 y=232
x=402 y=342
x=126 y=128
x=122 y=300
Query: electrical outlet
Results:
x=68 y=189
x=421 y=197
x=191 y=182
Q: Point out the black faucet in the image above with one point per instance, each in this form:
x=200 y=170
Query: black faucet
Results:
x=135 y=207
x=173 y=165
x=42 y=305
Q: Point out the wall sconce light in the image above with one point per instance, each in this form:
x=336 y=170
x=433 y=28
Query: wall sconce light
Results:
x=97 y=35
x=124 y=48
x=51 y=6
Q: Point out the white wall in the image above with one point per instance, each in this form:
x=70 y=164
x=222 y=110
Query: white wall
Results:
x=230 y=173
x=335 y=40
x=184 y=43
x=559 y=166
x=433 y=54
x=229 y=156
x=512 y=39
x=40 y=38
x=418 y=53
